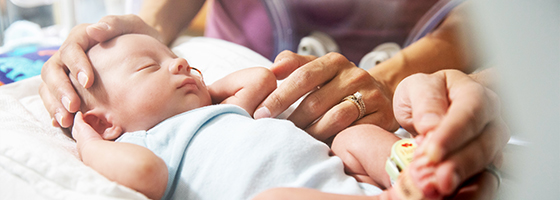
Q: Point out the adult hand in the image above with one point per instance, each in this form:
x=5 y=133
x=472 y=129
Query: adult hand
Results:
x=56 y=90
x=459 y=121
x=328 y=80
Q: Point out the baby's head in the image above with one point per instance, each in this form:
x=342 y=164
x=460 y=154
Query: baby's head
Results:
x=138 y=83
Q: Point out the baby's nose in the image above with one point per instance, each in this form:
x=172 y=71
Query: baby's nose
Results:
x=179 y=66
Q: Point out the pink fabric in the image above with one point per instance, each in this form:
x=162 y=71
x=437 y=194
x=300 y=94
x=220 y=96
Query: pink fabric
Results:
x=244 y=22
x=357 y=26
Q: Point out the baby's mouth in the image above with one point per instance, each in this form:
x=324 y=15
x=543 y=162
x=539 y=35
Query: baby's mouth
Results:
x=186 y=82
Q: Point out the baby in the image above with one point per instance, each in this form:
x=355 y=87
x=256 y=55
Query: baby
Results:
x=150 y=123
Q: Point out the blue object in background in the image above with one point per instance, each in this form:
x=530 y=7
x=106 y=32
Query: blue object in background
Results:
x=23 y=62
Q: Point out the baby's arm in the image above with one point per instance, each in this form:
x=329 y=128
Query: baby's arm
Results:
x=246 y=88
x=127 y=164
x=364 y=149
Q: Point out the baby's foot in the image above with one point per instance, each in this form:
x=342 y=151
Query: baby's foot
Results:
x=413 y=182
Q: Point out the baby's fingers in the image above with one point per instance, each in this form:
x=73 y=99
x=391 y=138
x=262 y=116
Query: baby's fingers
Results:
x=82 y=132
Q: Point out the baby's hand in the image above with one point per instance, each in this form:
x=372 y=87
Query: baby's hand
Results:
x=82 y=132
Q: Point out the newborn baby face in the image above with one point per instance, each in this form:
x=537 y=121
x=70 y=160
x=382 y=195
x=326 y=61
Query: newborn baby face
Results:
x=145 y=82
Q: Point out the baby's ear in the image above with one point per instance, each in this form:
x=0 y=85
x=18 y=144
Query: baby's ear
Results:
x=104 y=127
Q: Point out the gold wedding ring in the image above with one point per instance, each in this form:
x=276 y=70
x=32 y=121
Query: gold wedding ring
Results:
x=357 y=100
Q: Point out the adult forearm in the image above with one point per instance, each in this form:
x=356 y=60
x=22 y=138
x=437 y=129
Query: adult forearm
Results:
x=444 y=48
x=169 y=17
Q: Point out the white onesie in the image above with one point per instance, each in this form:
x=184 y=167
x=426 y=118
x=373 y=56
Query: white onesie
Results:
x=220 y=152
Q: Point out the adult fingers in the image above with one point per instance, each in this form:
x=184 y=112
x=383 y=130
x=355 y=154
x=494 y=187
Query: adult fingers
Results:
x=84 y=36
x=468 y=137
x=287 y=62
x=57 y=92
x=303 y=80
x=420 y=101
x=335 y=120
x=346 y=79
x=472 y=108
x=114 y=25
x=378 y=109
x=54 y=107
x=473 y=158
x=71 y=57
x=326 y=81
x=480 y=187
x=70 y=60
x=323 y=114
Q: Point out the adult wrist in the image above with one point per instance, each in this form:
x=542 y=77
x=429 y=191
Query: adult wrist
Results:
x=390 y=73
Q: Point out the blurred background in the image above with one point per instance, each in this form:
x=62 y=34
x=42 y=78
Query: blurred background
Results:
x=520 y=38
x=32 y=30
x=59 y=16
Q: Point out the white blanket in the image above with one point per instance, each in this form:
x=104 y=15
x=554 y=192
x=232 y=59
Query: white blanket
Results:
x=37 y=161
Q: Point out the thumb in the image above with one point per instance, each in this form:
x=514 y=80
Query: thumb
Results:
x=421 y=102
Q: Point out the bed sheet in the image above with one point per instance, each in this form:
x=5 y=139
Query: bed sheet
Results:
x=38 y=161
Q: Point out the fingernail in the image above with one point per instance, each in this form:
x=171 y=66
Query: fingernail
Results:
x=83 y=79
x=55 y=123
x=262 y=112
x=430 y=120
x=100 y=26
x=59 y=118
x=66 y=102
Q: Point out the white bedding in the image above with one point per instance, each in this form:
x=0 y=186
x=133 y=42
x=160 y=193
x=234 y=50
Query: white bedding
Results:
x=37 y=161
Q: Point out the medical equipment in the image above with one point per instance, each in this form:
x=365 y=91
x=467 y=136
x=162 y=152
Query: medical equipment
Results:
x=353 y=27
x=401 y=156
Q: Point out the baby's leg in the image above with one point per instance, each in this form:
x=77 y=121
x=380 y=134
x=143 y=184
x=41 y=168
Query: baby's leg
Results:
x=364 y=149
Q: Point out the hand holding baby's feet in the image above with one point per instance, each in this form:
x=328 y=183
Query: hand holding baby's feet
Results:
x=434 y=174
